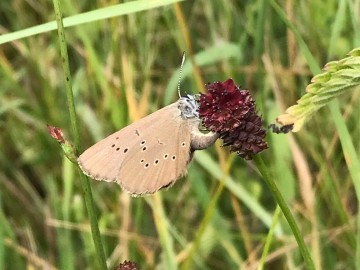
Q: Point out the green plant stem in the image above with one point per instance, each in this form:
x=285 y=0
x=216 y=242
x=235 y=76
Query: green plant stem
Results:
x=70 y=99
x=162 y=226
x=286 y=211
x=269 y=238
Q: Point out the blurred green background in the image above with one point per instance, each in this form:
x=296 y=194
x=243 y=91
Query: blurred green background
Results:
x=125 y=67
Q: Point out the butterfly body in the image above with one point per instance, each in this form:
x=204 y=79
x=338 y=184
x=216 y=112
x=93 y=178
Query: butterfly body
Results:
x=151 y=153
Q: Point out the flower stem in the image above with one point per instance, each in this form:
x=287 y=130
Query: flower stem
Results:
x=285 y=209
x=70 y=99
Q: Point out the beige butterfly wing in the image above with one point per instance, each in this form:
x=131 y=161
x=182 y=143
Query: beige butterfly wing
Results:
x=103 y=160
x=161 y=158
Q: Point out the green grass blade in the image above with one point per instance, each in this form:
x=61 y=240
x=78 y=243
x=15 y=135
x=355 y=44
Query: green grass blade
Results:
x=353 y=164
x=236 y=188
x=337 y=26
x=311 y=61
x=73 y=120
x=162 y=225
x=286 y=211
x=269 y=238
x=87 y=17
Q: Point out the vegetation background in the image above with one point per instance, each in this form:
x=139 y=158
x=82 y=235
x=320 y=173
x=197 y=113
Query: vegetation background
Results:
x=125 y=67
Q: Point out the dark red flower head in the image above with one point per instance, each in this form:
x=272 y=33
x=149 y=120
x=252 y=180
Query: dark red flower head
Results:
x=127 y=265
x=230 y=112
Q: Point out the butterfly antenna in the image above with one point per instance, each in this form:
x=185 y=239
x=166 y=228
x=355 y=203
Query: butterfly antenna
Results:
x=180 y=73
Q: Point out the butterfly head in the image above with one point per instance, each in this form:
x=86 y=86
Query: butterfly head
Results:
x=189 y=107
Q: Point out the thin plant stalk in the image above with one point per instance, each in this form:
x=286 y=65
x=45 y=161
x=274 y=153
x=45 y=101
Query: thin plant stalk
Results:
x=269 y=238
x=73 y=119
x=163 y=231
x=286 y=211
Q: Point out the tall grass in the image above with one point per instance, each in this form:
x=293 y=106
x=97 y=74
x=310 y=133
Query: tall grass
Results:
x=221 y=215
